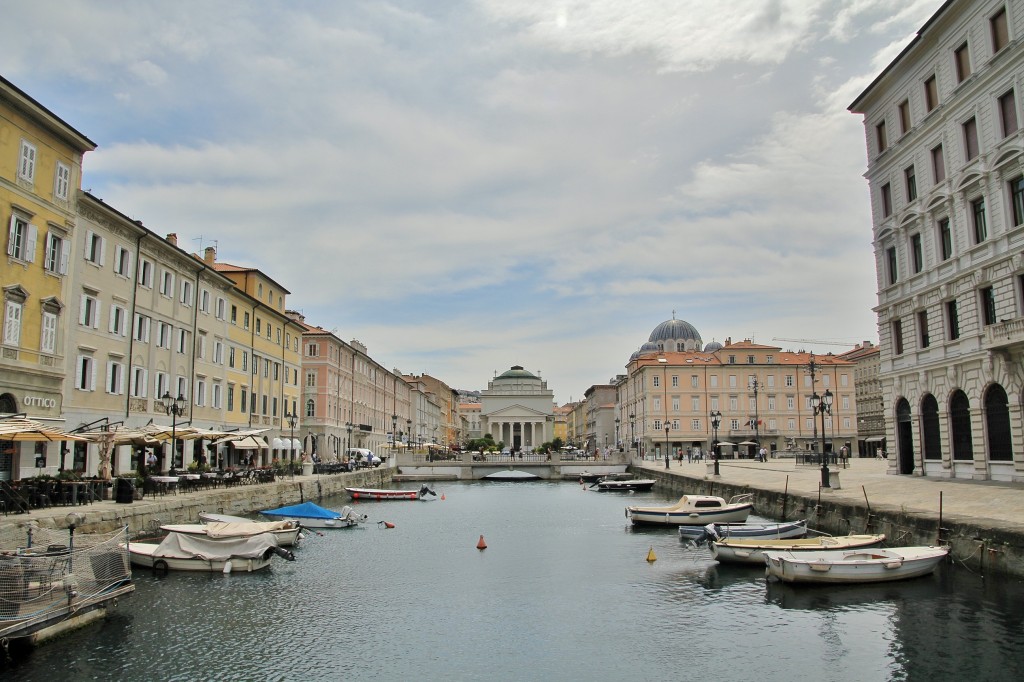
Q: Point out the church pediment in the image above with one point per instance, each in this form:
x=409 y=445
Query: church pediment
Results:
x=515 y=411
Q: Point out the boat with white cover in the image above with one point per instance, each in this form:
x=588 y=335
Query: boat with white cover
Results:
x=695 y=510
x=286 y=532
x=390 y=493
x=180 y=552
x=853 y=566
x=311 y=515
x=763 y=531
x=751 y=550
x=618 y=485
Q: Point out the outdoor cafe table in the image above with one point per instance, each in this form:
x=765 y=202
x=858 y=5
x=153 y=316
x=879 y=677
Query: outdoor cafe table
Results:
x=166 y=482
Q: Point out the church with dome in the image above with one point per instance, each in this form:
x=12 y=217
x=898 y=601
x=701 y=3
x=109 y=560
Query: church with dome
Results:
x=518 y=409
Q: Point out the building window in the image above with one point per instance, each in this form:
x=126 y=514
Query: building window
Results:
x=146 y=273
x=931 y=94
x=880 y=137
x=789 y=380
x=675 y=381
x=186 y=293
x=141 y=332
x=904 y=110
x=90 y=314
x=21 y=239
x=1017 y=199
x=163 y=335
x=166 y=282
x=978 y=214
x=938 y=164
x=910 y=180
x=245 y=322
x=953 y=320
x=310 y=408
x=122 y=262
x=94 y=248
x=231 y=356
x=917 y=252
x=183 y=343
x=962 y=59
x=221 y=305
x=57 y=248
x=922 y=328
x=694 y=381
x=1000 y=30
x=204 y=301
x=945 y=239
x=12 y=323
x=897 y=337
x=61 y=181
x=892 y=273
x=48 y=338
x=200 y=392
x=750 y=359
x=657 y=381
x=115 y=378
x=27 y=164
x=140 y=382
x=886 y=200
x=988 y=306
x=1008 y=113
x=85 y=373
x=970 y=138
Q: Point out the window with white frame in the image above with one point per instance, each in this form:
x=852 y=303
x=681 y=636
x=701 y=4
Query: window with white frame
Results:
x=165 y=330
x=310 y=379
x=201 y=350
x=734 y=424
x=846 y=402
x=675 y=403
x=732 y=381
x=771 y=403
x=790 y=402
x=200 y=392
x=21 y=239
x=166 y=282
x=714 y=380
x=714 y=404
x=140 y=379
x=657 y=403
x=221 y=308
x=48 y=333
x=791 y=424
x=733 y=404
x=58 y=248
x=266 y=368
x=204 y=301
x=122 y=261
x=695 y=425
x=789 y=381
x=145 y=273
x=94 y=248
x=771 y=424
x=12 y=323
x=844 y=380
x=277 y=371
x=89 y=315
x=161 y=383
x=61 y=181
x=657 y=425
x=85 y=373
x=245 y=360
x=141 y=331
x=231 y=356
x=809 y=424
x=218 y=352
x=183 y=342
x=216 y=398
x=182 y=387
x=186 y=293
x=657 y=381
x=118 y=320
x=695 y=404
x=27 y=162
x=826 y=380
x=115 y=377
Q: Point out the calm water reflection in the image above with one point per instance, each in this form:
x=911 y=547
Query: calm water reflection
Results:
x=563 y=592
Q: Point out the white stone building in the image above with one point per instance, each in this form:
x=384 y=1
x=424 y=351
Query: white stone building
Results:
x=518 y=409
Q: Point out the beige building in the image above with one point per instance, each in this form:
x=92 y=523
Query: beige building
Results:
x=870 y=406
x=945 y=150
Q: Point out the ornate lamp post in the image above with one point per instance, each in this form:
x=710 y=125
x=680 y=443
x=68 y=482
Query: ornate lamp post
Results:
x=174 y=407
x=667 y=454
x=292 y=421
x=632 y=436
x=348 y=443
x=394 y=434
x=408 y=435
x=823 y=405
x=618 y=438
x=716 y=421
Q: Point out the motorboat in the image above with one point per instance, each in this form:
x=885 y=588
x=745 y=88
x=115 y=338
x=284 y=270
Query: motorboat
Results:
x=389 y=494
x=751 y=550
x=629 y=485
x=311 y=515
x=593 y=477
x=182 y=552
x=764 y=531
x=695 y=510
x=286 y=532
x=853 y=566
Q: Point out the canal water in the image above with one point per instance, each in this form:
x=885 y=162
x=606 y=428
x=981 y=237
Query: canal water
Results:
x=562 y=592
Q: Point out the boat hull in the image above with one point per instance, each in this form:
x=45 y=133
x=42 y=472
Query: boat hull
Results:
x=382 y=494
x=752 y=551
x=855 y=566
x=143 y=554
x=761 y=531
x=694 y=510
x=618 y=486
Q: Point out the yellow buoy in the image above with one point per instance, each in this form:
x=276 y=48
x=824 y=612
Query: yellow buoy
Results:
x=651 y=558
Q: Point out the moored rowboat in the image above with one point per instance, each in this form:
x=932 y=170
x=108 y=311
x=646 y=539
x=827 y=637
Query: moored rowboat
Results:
x=764 y=531
x=751 y=550
x=179 y=552
x=853 y=566
x=389 y=494
x=286 y=532
x=695 y=510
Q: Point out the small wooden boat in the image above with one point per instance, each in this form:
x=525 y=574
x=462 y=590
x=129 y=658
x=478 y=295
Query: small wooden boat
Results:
x=389 y=494
x=751 y=550
x=853 y=566
x=286 y=532
x=180 y=552
x=593 y=477
x=695 y=510
x=615 y=485
x=763 y=531
x=312 y=515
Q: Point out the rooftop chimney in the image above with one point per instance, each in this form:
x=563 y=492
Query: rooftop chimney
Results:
x=210 y=255
x=172 y=238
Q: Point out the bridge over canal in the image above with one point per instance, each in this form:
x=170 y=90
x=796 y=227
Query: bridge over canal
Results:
x=468 y=466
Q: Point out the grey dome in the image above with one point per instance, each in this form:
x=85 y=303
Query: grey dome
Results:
x=649 y=347
x=517 y=372
x=712 y=347
x=675 y=330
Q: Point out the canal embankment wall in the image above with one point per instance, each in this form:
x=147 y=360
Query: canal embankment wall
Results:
x=148 y=514
x=980 y=545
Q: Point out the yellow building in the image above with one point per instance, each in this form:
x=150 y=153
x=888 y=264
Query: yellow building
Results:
x=40 y=174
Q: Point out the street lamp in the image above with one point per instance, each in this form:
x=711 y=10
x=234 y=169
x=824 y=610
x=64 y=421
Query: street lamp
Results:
x=667 y=454
x=632 y=436
x=716 y=421
x=823 y=405
x=174 y=407
x=394 y=433
x=618 y=438
x=348 y=443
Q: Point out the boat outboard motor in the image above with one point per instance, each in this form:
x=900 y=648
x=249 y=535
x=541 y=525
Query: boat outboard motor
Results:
x=285 y=554
x=424 y=491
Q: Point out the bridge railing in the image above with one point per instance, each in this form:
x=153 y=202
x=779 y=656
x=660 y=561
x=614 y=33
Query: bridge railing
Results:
x=476 y=458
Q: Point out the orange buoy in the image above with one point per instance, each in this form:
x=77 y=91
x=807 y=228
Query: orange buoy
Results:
x=442 y=496
x=388 y=524
x=651 y=558
x=481 y=544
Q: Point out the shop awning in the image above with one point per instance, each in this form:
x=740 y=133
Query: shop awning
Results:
x=874 y=439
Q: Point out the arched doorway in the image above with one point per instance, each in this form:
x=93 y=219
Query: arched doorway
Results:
x=8 y=404
x=960 y=426
x=997 y=424
x=904 y=437
x=932 y=441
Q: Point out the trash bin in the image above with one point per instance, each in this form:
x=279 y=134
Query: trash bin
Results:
x=124 y=492
x=833 y=479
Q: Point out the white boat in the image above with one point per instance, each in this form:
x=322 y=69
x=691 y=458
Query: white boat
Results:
x=180 y=552
x=695 y=510
x=286 y=532
x=631 y=484
x=310 y=515
x=853 y=566
x=208 y=517
x=764 y=531
x=390 y=493
x=751 y=550
x=511 y=475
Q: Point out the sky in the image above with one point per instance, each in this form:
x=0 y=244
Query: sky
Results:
x=468 y=185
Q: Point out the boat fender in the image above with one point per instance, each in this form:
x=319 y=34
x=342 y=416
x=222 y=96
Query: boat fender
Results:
x=227 y=567
x=160 y=566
